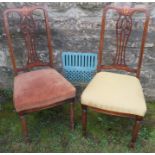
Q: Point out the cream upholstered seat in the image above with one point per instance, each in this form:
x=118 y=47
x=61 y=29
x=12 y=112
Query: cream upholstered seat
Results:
x=115 y=92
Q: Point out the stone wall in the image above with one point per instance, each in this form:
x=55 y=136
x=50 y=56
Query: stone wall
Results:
x=76 y=27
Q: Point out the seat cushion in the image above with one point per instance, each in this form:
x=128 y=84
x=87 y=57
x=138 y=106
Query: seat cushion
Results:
x=115 y=92
x=40 y=88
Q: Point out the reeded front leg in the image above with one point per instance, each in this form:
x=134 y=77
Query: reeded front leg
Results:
x=84 y=119
x=72 y=115
x=24 y=127
x=135 y=131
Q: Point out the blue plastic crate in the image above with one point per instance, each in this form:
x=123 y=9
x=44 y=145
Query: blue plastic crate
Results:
x=79 y=68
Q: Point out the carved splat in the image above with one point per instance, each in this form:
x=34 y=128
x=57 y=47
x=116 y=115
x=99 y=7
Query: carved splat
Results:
x=27 y=26
x=123 y=30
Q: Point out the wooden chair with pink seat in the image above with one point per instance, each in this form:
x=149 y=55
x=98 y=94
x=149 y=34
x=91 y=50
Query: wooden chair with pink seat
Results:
x=35 y=90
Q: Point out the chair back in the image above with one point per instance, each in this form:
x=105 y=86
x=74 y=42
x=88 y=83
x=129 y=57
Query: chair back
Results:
x=123 y=26
x=27 y=22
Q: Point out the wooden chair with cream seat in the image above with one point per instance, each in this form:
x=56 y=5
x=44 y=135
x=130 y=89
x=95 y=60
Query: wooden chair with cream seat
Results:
x=39 y=89
x=114 y=93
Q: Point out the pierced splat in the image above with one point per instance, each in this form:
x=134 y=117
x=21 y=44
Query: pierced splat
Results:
x=27 y=26
x=123 y=30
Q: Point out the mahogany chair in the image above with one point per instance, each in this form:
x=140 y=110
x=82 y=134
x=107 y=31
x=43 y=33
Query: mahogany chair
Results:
x=35 y=90
x=115 y=93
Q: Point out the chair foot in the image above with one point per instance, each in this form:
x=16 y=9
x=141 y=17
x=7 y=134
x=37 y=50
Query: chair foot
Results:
x=84 y=120
x=132 y=145
x=72 y=115
x=24 y=128
x=135 y=131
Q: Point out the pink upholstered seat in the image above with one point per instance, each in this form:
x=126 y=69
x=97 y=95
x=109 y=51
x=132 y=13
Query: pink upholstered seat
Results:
x=40 y=89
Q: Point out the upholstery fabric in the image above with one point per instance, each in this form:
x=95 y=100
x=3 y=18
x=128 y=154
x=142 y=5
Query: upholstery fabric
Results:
x=40 y=88
x=115 y=92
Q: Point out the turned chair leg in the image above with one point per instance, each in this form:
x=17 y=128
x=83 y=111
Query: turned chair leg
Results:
x=135 y=131
x=84 y=120
x=24 y=127
x=72 y=115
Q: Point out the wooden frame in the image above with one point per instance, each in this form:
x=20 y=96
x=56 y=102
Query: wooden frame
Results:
x=26 y=13
x=27 y=30
x=119 y=62
x=121 y=65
